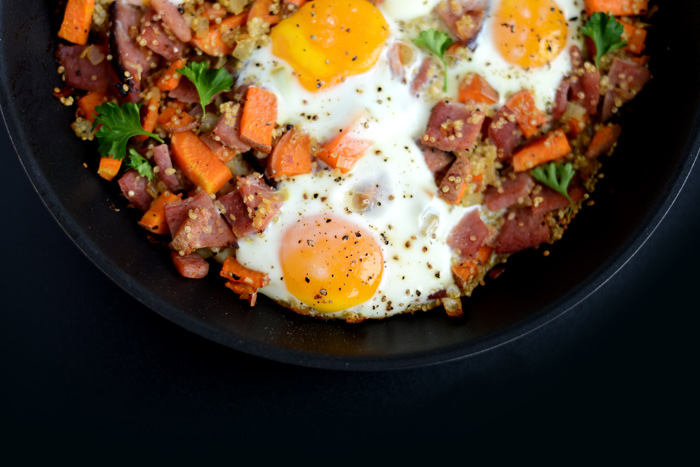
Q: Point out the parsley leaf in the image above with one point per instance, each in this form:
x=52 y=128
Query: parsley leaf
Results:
x=437 y=42
x=209 y=82
x=606 y=32
x=118 y=124
x=557 y=177
x=137 y=162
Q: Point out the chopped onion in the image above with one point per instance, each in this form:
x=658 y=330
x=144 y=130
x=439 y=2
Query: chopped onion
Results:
x=94 y=54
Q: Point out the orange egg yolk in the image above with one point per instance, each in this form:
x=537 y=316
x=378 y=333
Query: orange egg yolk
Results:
x=330 y=264
x=326 y=41
x=529 y=33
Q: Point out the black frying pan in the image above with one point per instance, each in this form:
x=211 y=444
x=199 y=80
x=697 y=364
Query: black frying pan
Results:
x=660 y=142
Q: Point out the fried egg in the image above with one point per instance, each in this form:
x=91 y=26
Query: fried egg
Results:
x=524 y=44
x=369 y=243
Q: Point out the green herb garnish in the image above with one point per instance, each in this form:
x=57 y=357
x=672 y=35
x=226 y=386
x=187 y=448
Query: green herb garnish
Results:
x=209 y=82
x=557 y=177
x=437 y=42
x=137 y=162
x=117 y=124
x=606 y=32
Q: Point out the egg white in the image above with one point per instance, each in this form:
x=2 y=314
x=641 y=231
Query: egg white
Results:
x=406 y=10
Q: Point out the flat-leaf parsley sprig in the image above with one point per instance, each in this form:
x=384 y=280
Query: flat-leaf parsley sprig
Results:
x=209 y=82
x=437 y=42
x=606 y=32
x=139 y=163
x=117 y=124
x=557 y=177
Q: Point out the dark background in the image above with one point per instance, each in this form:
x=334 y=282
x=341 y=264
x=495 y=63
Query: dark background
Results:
x=86 y=368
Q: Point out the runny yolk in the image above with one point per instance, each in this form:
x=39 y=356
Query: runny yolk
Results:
x=529 y=33
x=330 y=263
x=326 y=41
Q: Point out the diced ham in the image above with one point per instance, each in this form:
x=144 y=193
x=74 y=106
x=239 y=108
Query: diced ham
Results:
x=627 y=78
x=80 y=72
x=395 y=65
x=176 y=213
x=262 y=200
x=452 y=126
x=173 y=19
x=463 y=17
x=235 y=212
x=584 y=82
x=185 y=92
x=191 y=266
x=399 y=55
x=591 y=90
x=467 y=27
x=228 y=129
x=438 y=295
x=484 y=133
x=189 y=237
x=577 y=71
x=560 y=99
x=512 y=190
x=225 y=154
x=544 y=199
x=209 y=140
x=468 y=235
x=521 y=230
x=196 y=111
x=576 y=57
x=216 y=233
x=454 y=184
x=160 y=41
x=505 y=133
x=132 y=62
x=437 y=160
x=423 y=77
x=575 y=79
x=134 y=188
x=166 y=172
x=612 y=98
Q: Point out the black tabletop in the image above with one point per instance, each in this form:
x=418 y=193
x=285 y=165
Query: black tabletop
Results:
x=83 y=362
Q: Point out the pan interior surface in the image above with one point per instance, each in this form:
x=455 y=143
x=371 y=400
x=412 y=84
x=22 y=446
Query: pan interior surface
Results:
x=658 y=145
